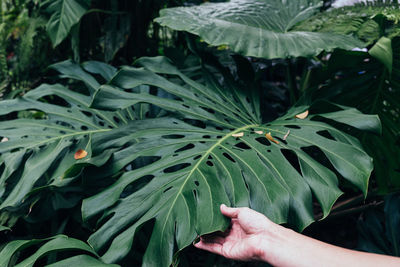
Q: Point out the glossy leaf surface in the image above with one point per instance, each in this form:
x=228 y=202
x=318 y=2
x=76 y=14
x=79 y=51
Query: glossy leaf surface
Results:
x=258 y=28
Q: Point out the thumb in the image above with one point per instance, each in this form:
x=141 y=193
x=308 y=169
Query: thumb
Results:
x=229 y=212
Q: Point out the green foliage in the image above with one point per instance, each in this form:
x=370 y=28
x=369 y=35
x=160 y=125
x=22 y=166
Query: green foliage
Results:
x=129 y=165
x=257 y=28
x=194 y=167
x=54 y=244
x=377 y=92
x=366 y=22
x=379 y=231
x=64 y=15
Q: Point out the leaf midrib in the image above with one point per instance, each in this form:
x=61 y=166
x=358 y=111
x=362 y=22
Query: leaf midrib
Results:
x=205 y=156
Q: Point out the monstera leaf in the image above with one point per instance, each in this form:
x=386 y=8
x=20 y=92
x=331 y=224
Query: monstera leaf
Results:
x=376 y=86
x=216 y=150
x=261 y=28
x=51 y=245
x=48 y=152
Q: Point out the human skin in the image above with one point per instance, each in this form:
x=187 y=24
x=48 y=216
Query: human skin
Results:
x=253 y=237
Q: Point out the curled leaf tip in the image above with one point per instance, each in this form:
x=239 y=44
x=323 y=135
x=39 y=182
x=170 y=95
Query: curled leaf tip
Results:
x=80 y=154
x=238 y=134
x=270 y=138
x=259 y=132
x=303 y=115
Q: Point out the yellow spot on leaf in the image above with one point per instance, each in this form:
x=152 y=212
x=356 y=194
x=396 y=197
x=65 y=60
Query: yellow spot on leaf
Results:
x=303 y=115
x=259 y=132
x=238 y=134
x=270 y=138
x=80 y=154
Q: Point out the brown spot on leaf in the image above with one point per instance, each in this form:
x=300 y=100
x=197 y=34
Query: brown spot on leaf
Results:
x=80 y=154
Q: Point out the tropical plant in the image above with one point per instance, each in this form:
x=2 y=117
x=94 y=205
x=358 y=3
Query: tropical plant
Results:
x=129 y=165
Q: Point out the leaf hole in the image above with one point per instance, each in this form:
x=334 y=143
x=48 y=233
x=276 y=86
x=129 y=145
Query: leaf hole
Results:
x=293 y=126
x=101 y=123
x=291 y=157
x=86 y=113
x=176 y=167
x=84 y=128
x=226 y=155
x=167 y=189
x=206 y=136
x=195 y=194
x=209 y=163
x=208 y=110
x=186 y=106
x=116 y=119
x=197 y=157
x=219 y=128
x=136 y=185
x=187 y=147
x=326 y=134
x=173 y=136
x=264 y=141
x=242 y=146
x=196 y=183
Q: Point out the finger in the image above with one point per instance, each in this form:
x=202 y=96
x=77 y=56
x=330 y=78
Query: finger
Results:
x=211 y=247
x=229 y=212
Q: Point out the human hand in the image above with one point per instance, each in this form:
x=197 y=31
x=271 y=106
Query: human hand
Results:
x=244 y=240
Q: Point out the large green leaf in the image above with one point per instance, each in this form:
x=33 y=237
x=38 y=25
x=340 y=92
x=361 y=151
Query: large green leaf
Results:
x=366 y=22
x=39 y=153
x=376 y=91
x=64 y=15
x=223 y=156
x=258 y=28
x=51 y=245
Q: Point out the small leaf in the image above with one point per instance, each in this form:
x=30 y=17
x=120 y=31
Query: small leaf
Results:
x=238 y=134
x=80 y=154
x=303 y=115
x=259 y=132
x=270 y=138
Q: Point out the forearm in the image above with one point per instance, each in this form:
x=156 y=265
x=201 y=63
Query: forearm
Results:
x=284 y=248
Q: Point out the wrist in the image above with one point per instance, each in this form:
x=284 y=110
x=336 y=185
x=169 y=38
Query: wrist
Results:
x=273 y=242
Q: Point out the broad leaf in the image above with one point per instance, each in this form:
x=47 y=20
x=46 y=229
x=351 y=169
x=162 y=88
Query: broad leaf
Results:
x=51 y=245
x=64 y=15
x=366 y=22
x=39 y=153
x=223 y=156
x=258 y=28
x=377 y=91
